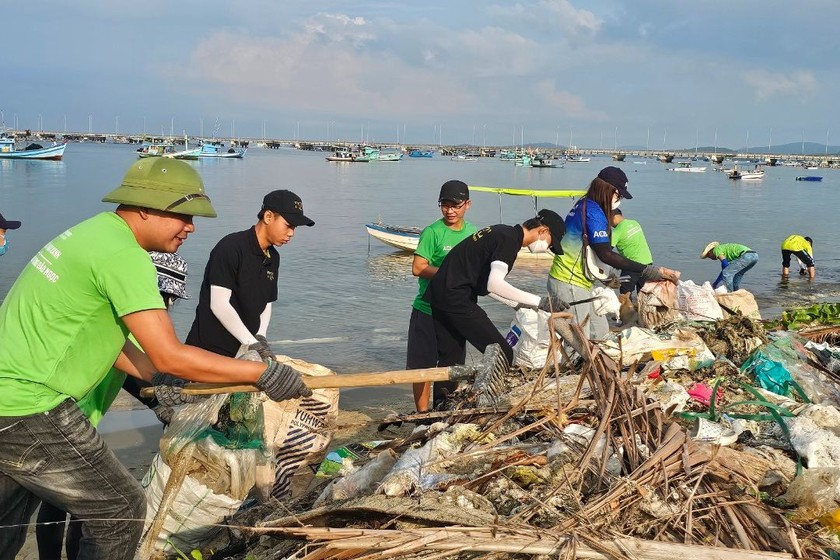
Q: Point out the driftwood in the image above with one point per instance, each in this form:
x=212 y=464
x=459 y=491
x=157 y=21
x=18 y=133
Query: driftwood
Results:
x=360 y=543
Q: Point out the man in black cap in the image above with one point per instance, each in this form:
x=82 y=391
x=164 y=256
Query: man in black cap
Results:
x=4 y=225
x=240 y=280
x=477 y=267
x=435 y=243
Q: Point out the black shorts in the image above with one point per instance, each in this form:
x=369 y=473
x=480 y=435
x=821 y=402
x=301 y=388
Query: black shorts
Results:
x=803 y=256
x=422 y=349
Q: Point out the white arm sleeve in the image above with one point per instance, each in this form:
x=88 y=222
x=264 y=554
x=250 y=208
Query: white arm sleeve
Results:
x=497 y=284
x=227 y=316
x=265 y=317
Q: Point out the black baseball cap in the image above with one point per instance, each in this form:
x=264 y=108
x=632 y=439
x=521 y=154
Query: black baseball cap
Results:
x=287 y=204
x=454 y=191
x=615 y=177
x=8 y=224
x=556 y=226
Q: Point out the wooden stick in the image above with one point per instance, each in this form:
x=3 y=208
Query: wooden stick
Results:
x=396 y=377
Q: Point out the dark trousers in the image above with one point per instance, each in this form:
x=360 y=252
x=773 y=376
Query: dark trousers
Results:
x=633 y=283
x=58 y=457
x=453 y=329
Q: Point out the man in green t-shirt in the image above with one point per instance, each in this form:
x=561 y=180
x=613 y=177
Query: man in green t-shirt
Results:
x=435 y=242
x=64 y=323
x=736 y=259
x=629 y=240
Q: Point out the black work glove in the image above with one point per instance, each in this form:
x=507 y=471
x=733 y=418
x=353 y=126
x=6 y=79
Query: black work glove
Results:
x=168 y=390
x=652 y=273
x=164 y=413
x=262 y=348
x=281 y=382
x=552 y=304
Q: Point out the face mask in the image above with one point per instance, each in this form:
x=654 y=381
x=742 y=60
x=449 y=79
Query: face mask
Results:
x=538 y=246
x=616 y=204
x=4 y=247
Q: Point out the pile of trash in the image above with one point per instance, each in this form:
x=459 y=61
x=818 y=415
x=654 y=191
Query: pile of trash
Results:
x=695 y=437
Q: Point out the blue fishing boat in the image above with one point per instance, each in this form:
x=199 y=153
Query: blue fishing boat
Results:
x=809 y=178
x=420 y=153
x=32 y=151
x=211 y=150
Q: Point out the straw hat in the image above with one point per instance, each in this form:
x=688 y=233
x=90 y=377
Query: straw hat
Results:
x=708 y=248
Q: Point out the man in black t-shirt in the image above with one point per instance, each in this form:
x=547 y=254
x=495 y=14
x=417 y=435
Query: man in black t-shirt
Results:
x=477 y=266
x=240 y=280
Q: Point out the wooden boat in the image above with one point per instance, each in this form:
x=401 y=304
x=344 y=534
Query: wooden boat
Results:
x=389 y=156
x=578 y=159
x=165 y=149
x=406 y=238
x=210 y=150
x=666 y=158
x=33 y=151
x=755 y=175
x=345 y=156
x=685 y=167
x=420 y=153
x=544 y=161
x=809 y=178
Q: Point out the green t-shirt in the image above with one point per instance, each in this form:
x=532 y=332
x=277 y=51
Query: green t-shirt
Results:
x=629 y=240
x=96 y=403
x=61 y=323
x=730 y=251
x=435 y=243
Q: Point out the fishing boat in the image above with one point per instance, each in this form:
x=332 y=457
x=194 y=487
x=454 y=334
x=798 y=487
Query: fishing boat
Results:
x=666 y=158
x=166 y=149
x=462 y=157
x=350 y=157
x=754 y=175
x=420 y=153
x=685 y=167
x=390 y=156
x=406 y=238
x=211 y=150
x=33 y=151
x=544 y=161
x=809 y=178
x=578 y=159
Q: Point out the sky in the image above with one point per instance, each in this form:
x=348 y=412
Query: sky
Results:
x=662 y=74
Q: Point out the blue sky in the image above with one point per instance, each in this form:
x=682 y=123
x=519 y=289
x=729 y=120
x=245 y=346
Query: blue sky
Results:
x=601 y=72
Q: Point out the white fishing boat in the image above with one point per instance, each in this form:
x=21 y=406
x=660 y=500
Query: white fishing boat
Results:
x=578 y=159
x=345 y=156
x=167 y=150
x=8 y=150
x=752 y=175
x=406 y=238
x=686 y=167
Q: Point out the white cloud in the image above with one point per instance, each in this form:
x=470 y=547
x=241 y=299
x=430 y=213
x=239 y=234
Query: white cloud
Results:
x=557 y=102
x=775 y=84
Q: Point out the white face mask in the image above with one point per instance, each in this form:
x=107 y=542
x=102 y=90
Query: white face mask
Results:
x=616 y=204
x=538 y=246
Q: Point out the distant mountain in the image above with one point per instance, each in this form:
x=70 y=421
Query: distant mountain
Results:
x=793 y=148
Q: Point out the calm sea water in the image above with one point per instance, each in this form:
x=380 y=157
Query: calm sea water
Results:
x=344 y=299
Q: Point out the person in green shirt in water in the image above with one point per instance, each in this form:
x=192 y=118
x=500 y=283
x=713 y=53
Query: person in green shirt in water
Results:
x=740 y=259
x=49 y=532
x=629 y=240
x=436 y=240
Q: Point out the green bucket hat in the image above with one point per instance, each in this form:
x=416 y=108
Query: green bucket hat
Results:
x=164 y=184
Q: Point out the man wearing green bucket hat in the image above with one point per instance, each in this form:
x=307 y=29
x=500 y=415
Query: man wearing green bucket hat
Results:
x=64 y=324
